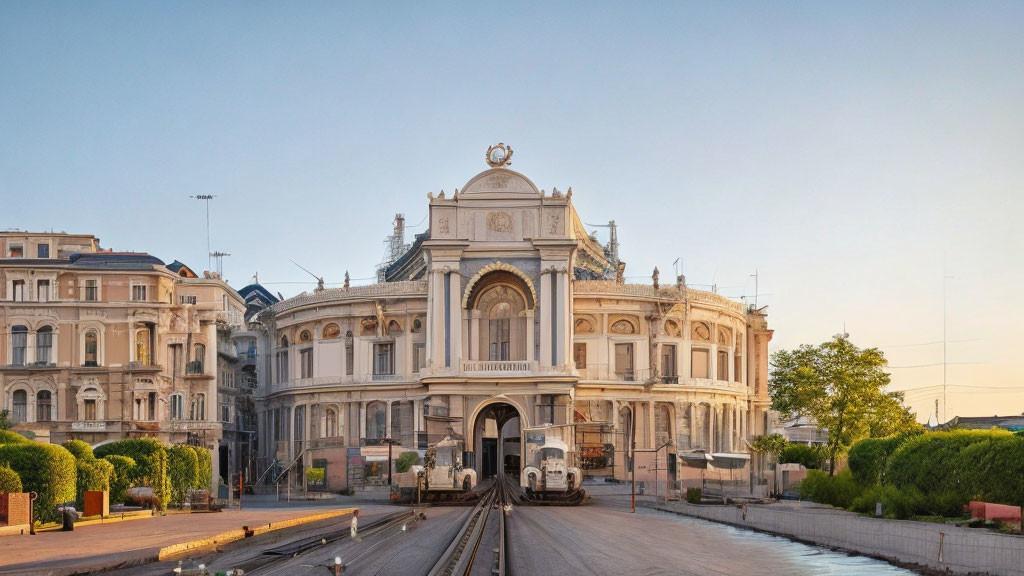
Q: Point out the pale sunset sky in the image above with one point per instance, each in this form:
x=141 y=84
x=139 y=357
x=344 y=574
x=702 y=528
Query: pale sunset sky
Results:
x=863 y=158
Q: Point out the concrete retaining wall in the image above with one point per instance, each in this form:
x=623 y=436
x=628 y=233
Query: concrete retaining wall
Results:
x=937 y=546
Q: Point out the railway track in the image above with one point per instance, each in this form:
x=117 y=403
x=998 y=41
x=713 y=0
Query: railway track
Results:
x=485 y=523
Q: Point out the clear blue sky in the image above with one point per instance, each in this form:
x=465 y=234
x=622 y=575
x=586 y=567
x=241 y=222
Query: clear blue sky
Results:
x=843 y=150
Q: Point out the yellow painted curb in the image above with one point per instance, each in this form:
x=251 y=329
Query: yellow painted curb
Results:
x=233 y=535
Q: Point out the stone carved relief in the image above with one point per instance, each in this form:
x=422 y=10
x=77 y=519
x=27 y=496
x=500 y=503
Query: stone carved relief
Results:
x=672 y=329
x=700 y=331
x=498 y=181
x=583 y=326
x=368 y=326
x=499 y=222
x=554 y=221
x=623 y=327
x=724 y=337
x=443 y=226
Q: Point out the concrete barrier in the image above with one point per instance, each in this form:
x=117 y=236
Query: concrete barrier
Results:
x=943 y=547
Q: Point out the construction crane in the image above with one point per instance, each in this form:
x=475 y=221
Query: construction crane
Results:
x=394 y=246
x=613 y=241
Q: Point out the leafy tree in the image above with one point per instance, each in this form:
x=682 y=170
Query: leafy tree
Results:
x=838 y=384
x=808 y=456
x=406 y=460
x=5 y=421
x=121 y=479
x=182 y=471
x=770 y=444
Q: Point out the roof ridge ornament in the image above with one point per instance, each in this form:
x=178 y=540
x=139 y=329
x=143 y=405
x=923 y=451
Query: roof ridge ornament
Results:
x=499 y=156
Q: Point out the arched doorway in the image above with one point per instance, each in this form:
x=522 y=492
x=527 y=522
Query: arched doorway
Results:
x=496 y=431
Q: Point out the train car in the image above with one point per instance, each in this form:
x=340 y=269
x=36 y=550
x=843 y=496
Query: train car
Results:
x=442 y=469
x=549 y=465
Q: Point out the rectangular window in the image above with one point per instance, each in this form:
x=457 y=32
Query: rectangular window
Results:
x=43 y=251
x=579 y=355
x=225 y=413
x=723 y=366
x=547 y=409
x=384 y=359
x=624 y=361
x=187 y=299
x=16 y=251
x=91 y=290
x=44 y=406
x=90 y=410
x=306 y=362
x=699 y=363
x=44 y=346
x=138 y=293
x=19 y=345
x=43 y=290
x=151 y=406
x=282 y=366
x=350 y=359
x=18 y=292
x=668 y=364
x=738 y=369
x=499 y=339
x=419 y=356
x=177 y=407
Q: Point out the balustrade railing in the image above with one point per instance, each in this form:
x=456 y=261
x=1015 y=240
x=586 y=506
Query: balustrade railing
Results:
x=503 y=366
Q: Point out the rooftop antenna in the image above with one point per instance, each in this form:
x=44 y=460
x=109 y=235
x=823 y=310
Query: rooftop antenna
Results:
x=220 y=262
x=613 y=240
x=319 y=279
x=206 y=198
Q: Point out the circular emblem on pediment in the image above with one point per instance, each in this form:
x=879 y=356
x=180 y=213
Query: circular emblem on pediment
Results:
x=499 y=155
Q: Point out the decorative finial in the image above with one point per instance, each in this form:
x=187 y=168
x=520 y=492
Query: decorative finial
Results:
x=455 y=196
x=498 y=156
x=441 y=195
x=654 y=277
x=568 y=193
x=346 y=279
x=555 y=193
x=430 y=195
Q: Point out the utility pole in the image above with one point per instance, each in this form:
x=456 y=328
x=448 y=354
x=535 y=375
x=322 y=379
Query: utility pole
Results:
x=207 y=198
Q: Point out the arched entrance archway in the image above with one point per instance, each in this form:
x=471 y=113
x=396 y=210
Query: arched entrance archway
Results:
x=495 y=436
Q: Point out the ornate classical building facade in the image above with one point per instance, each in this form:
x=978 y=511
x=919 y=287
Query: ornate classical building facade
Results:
x=99 y=345
x=507 y=315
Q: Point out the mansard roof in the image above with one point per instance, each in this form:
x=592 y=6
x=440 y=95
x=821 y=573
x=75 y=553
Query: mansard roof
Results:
x=115 y=260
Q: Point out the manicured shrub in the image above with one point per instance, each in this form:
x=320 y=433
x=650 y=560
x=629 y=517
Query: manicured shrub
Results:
x=694 y=495
x=931 y=462
x=869 y=458
x=46 y=469
x=205 y=475
x=91 y=474
x=8 y=437
x=315 y=475
x=993 y=470
x=120 y=479
x=79 y=449
x=840 y=490
x=182 y=471
x=808 y=456
x=143 y=451
x=9 y=481
x=406 y=460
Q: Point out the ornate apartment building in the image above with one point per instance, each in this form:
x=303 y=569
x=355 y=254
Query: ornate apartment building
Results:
x=506 y=314
x=100 y=345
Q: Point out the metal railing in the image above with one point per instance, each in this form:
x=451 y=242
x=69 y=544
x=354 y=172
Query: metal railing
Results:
x=503 y=366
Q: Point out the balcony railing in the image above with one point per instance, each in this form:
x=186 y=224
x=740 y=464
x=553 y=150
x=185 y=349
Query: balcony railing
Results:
x=193 y=425
x=385 y=377
x=89 y=426
x=194 y=368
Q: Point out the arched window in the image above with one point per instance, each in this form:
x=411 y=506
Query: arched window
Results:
x=19 y=345
x=44 y=345
x=376 y=421
x=92 y=339
x=20 y=413
x=177 y=407
x=44 y=406
x=142 y=346
x=198 y=358
x=198 y=407
x=662 y=424
x=330 y=423
x=503 y=330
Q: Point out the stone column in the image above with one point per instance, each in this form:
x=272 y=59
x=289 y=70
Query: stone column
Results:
x=651 y=430
x=362 y=423
x=474 y=335
x=712 y=414
x=530 y=329
x=546 y=297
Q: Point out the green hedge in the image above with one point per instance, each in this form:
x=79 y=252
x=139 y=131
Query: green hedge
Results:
x=79 y=449
x=150 y=468
x=808 y=456
x=205 y=468
x=993 y=470
x=694 y=495
x=840 y=490
x=8 y=437
x=121 y=478
x=91 y=474
x=869 y=458
x=406 y=460
x=9 y=481
x=44 y=468
x=931 y=462
x=182 y=471
x=315 y=475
